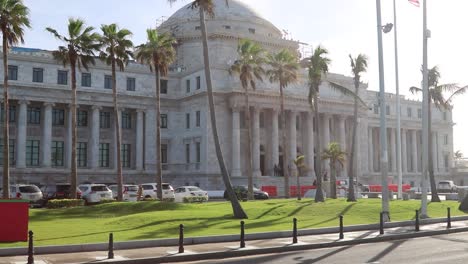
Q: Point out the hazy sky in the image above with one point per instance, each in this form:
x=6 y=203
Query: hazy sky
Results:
x=342 y=26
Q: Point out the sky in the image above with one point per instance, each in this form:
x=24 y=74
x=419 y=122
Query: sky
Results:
x=342 y=26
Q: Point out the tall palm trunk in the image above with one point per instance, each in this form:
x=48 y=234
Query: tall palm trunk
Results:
x=318 y=174
x=352 y=167
x=74 y=176
x=249 y=145
x=117 y=132
x=158 y=133
x=333 y=179
x=298 y=183
x=434 y=194
x=236 y=207
x=285 y=168
x=6 y=134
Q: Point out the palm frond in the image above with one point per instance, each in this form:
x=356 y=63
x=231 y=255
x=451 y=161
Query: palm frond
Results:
x=346 y=91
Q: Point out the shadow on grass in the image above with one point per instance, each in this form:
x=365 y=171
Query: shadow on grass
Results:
x=343 y=212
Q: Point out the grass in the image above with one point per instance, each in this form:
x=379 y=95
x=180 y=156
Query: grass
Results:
x=152 y=220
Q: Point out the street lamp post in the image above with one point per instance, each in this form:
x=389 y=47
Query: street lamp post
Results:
x=425 y=118
x=398 y=107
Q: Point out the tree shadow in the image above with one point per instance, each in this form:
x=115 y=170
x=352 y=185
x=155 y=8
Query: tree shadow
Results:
x=342 y=212
x=386 y=251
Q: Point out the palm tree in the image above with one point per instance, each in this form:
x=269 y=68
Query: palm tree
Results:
x=436 y=97
x=208 y=7
x=116 y=51
x=336 y=156
x=249 y=66
x=299 y=162
x=14 y=17
x=458 y=155
x=78 y=51
x=283 y=69
x=158 y=52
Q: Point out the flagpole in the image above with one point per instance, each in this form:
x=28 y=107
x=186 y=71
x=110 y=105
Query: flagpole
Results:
x=398 y=107
x=425 y=117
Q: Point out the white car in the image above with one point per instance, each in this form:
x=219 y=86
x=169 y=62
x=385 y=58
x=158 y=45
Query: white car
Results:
x=189 y=191
x=29 y=192
x=130 y=192
x=150 y=190
x=94 y=193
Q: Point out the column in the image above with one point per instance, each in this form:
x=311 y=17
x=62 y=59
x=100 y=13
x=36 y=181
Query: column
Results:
x=310 y=144
x=342 y=138
x=150 y=139
x=371 y=149
x=46 y=142
x=274 y=139
x=21 y=136
x=414 y=151
x=404 y=157
x=393 y=149
x=235 y=166
x=292 y=142
x=68 y=138
x=94 y=137
x=326 y=142
x=256 y=142
x=139 y=141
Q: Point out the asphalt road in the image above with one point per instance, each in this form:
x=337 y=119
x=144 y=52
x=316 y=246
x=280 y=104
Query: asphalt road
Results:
x=438 y=249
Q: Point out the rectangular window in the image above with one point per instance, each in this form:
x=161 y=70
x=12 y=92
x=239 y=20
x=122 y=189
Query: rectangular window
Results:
x=104 y=119
x=444 y=116
x=38 y=75
x=187 y=86
x=226 y=27
x=163 y=120
x=446 y=139
x=198 y=83
x=376 y=109
x=419 y=113
x=280 y=123
x=130 y=84
x=125 y=155
x=252 y=30
x=298 y=122
x=198 y=157
x=32 y=153
x=107 y=81
x=446 y=161
x=11 y=150
x=82 y=154
x=387 y=110
x=410 y=112
x=62 y=77
x=198 y=119
x=163 y=153
x=187 y=120
x=164 y=86
x=104 y=154
x=86 y=79
x=261 y=120
x=57 y=153
x=82 y=118
x=58 y=117
x=12 y=72
x=187 y=153
x=34 y=115
x=11 y=113
x=126 y=120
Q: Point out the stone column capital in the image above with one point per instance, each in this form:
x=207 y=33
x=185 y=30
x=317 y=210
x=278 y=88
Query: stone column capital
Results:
x=140 y=110
x=48 y=105
x=25 y=102
x=96 y=107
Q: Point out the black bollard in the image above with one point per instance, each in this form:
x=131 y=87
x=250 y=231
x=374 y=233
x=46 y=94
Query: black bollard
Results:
x=294 y=230
x=449 y=221
x=181 y=238
x=242 y=235
x=110 y=253
x=31 y=248
x=381 y=224
x=341 y=227
x=416 y=223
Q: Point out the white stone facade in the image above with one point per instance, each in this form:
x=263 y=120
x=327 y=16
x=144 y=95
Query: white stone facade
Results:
x=190 y=156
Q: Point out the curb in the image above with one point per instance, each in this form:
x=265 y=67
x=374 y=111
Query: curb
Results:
x=211 y=239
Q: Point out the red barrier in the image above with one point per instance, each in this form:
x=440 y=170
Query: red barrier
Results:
x=271 y=190
x=391 y=187
x=14 y=220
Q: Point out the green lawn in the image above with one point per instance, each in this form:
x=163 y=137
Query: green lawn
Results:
x=150 y=220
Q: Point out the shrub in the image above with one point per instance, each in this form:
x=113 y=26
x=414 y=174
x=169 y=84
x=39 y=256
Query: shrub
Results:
x=195 y=199
x=147 y=200
x=103 y=201
x=64 y=203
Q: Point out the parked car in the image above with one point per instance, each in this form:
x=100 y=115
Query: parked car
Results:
x=130 y=192
x=446 y=187
x=28 y=192
x=189 y=191
x=94 y=193
x=242 y=193
x=58 y=191
x=150 y=190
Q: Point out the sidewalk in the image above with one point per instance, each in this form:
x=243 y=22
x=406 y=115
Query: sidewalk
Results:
x=231 y=249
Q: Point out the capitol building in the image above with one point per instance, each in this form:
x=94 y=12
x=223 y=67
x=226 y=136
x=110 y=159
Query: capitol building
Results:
x=40 y=128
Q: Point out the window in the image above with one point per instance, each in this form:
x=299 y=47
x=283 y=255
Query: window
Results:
x=107 y=82
x=187 y=153
x=198 y=83
x=280 y=123
x=187 y=120
x=261 y=120
x=57 y=153
x=58 y=117
x=164 y=86
x=126 y=120
x=62 y=77
x=125 y=155
x=130 y=84
x=82 y=154
x=387 y=110
x=38 y=75
x=32 y=153
x=376 y=109
x=86 y=79
x=104 y=154
x=187 y=86
x=198 y=149
x=34 y=115
x=12 y=72
x=11 y=150
x=409 y=111
x=163 y=120
x=446 y=139
x=198 y=119
x=11 y=113
x=82 y=118
x=163 y=153
x=444 y=115
x=104 y=119
x=298 y=120
x=252 y=30
x=197 y=27
x=226 y=27
x=419 y=113
x=446 y=161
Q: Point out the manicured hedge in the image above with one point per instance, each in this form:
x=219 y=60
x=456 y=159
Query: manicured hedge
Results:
x=195 y=199
x=64 y=203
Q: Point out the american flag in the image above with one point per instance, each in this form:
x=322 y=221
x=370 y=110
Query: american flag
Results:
x=414 y=2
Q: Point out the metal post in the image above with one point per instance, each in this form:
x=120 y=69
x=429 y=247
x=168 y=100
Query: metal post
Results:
x=381 y=224
x=425 y=119
x=294 y=230
x=242 y=235
x=110 y=254
x=31 y=248
x=449 y=221
x=416 y=223
x=398 y=107
x=181 y=238
x=341 y=227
